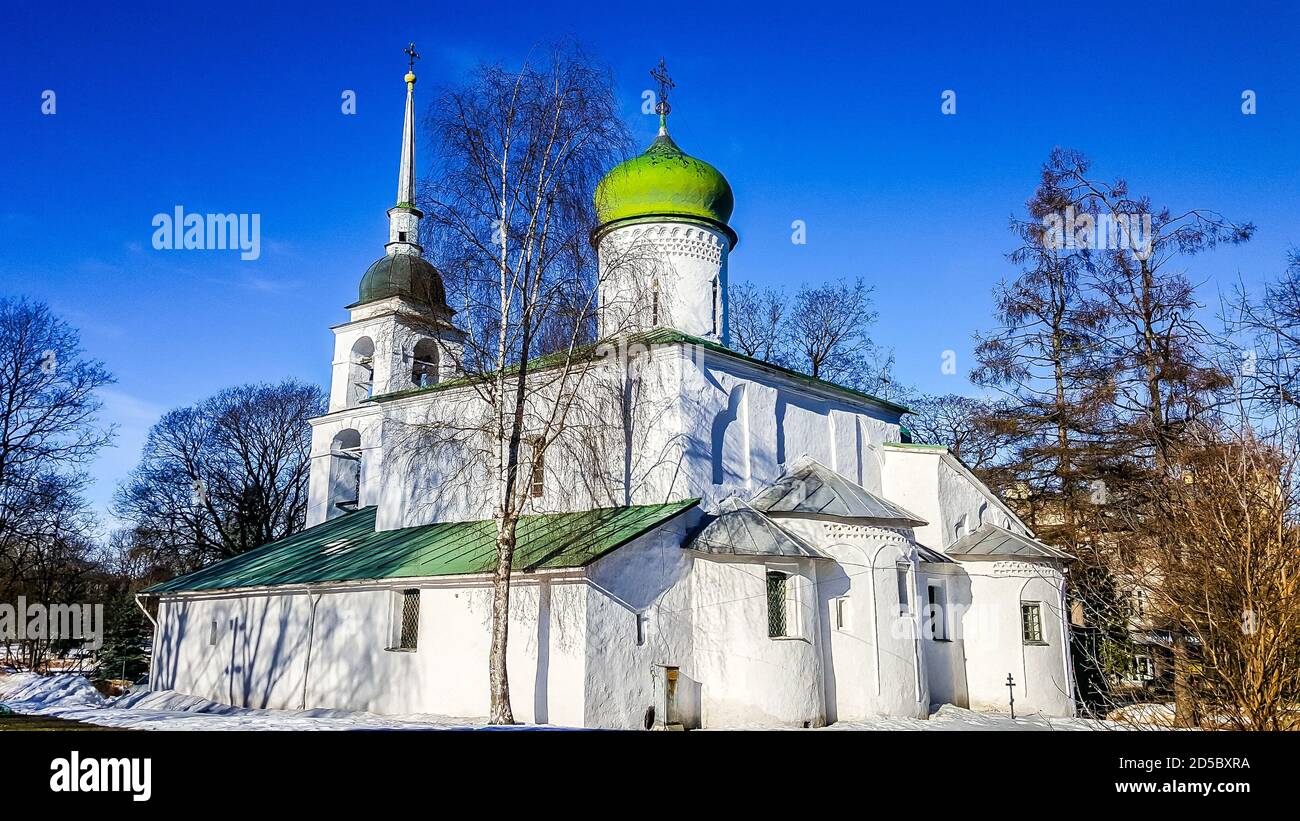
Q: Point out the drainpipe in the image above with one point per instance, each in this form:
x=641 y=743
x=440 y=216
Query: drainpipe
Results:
x=153 y=645
x=137 y=598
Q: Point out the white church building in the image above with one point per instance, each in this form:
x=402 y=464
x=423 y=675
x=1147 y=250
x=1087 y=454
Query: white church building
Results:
x=771 y=550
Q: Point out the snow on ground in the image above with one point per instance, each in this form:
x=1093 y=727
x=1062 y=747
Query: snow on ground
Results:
x=72 y=697
x=1155 y=715
x=949 y=717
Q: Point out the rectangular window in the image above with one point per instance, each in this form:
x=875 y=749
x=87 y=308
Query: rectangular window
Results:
x=904 y=600
x=1139 y=603
x=409 y=637
x=841 y=613
x=212 y=636
x=717 y=308
x=935 y=613
x=1031 y=622
x=537 y=482
x=1144 y=668
x=640 y=629
x=777 y=623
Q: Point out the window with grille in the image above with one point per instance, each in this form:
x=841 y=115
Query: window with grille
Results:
x=1031 y=622
x=777 y=623
x=409 y=637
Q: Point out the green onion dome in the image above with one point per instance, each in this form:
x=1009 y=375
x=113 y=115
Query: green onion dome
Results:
x=664 y=181
x=405 y=275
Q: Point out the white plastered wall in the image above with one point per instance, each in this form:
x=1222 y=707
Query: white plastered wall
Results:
x=686 y=263
x=331 y=648
x=994 y=638
x=746 y=423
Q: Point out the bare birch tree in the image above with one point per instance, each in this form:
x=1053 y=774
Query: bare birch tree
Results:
x=518 y=155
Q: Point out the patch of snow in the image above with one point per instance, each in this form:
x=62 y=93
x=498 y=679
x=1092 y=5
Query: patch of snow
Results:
x=30 y=693
x=950 y=717
x=72 y=697
x=1158 y=715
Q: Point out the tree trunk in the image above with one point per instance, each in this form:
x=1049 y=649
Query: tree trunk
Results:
x=1185 y=712
x=498 y=676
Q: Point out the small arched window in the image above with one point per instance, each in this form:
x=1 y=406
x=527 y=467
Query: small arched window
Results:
x=345 y=473
x=424 y=366
x=361 y=371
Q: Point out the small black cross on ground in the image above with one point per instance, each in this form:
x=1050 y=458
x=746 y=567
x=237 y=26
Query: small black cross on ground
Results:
x=1011 y=689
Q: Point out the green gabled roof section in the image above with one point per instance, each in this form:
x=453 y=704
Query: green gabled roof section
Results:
x=659 y=336
x=349 y=549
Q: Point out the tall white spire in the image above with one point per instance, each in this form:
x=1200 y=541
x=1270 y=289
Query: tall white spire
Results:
x=404 y=217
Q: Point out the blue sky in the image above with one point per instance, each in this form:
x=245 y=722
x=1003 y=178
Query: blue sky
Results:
x=827 y=113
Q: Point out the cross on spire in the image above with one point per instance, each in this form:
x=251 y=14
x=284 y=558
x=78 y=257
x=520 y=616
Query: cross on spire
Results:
x=412 y=56
x=666 y=83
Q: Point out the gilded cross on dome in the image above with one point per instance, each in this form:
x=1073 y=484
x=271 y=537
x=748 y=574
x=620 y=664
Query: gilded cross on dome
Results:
x=666 y=83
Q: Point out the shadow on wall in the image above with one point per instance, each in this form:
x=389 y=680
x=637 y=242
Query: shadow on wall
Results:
x=721 y=423
x=172 y=632
x=270 y=659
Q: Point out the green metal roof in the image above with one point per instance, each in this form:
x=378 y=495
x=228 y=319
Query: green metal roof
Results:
x=405 y=275
x=349 y=549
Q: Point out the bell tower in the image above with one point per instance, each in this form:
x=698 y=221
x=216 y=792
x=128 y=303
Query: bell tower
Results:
x=400 y=335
